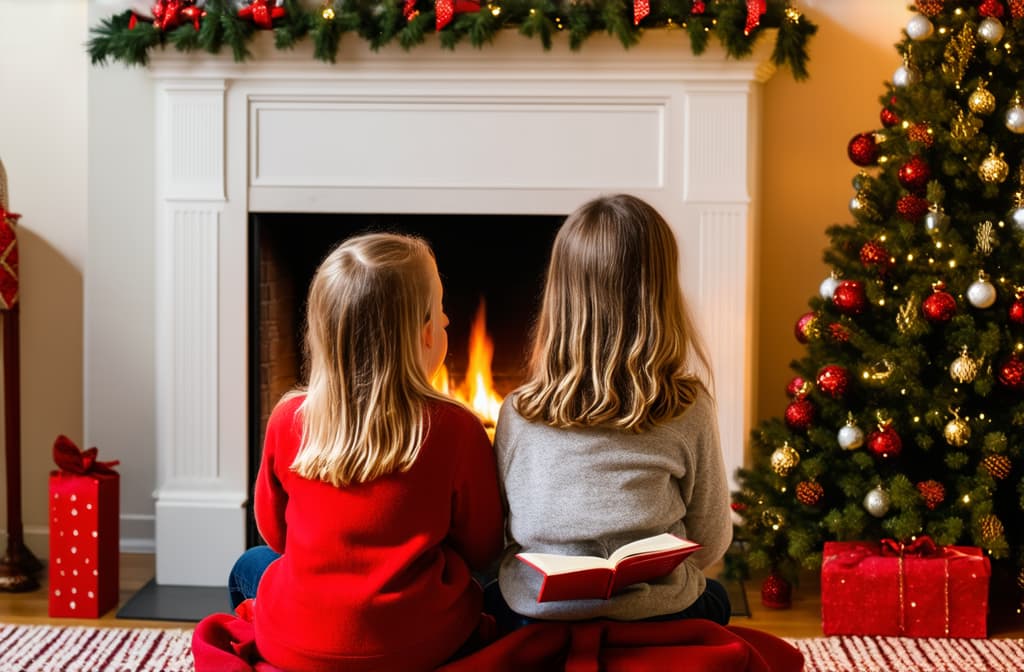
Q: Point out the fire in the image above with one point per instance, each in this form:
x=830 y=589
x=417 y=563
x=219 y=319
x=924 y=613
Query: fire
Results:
x=477 y=390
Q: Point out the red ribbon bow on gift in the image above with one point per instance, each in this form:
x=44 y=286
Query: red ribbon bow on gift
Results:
x=71 y=458
x=923 y=546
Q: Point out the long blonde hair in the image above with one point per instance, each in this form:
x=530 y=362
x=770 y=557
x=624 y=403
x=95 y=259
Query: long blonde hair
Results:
x=614 y=341
x=363 y=415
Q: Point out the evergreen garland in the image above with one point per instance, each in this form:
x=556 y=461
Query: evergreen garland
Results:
x=130 y=39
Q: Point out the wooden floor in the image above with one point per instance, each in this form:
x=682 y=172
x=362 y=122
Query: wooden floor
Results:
x=802 y=620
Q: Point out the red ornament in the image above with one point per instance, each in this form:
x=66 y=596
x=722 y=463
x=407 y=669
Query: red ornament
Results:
x=445 y=10
x=885 y=442
x=863 y=149
x=912 y=207
x=168 y=14
x=873 y=253
x=776 y=592
x=888 y=117
x=914 y=174
x=738 y=507
x=799 y=414
x=1016 y=8
x=992 y=8
x=933 y=493
x=1017 y=307
x=809 y=493
x=698 y=7
x=1011 y=374
x=798 y=388
x=262 y=13
x=940 y=306
x=755 y=10
x=929 y=7
x=849 y=297
x=838 y=333
x=833 y=380
x=806 y=327
x=641 y=8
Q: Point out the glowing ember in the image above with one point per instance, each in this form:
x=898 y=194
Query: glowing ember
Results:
x=477 y=390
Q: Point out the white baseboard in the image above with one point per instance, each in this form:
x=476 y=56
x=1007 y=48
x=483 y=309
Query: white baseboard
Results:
x=138 y=535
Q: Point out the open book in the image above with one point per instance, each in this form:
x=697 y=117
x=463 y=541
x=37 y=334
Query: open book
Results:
x=585 y=577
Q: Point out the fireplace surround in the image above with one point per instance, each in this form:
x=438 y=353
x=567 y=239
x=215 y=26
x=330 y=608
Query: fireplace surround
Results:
x=509 y=129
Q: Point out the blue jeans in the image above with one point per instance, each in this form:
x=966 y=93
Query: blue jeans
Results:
x=245 y=575
x=713 y=605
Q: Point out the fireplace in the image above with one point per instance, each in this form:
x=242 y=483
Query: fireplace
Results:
x=493 y=263
x=510 y=130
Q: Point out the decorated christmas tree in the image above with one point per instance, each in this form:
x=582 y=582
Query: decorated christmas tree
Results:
x=906 y=415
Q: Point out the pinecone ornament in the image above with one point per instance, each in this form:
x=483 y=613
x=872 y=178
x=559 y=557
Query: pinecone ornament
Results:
x=809 y=493
x=991 y=528
x=931 y=7
x=932 y=492
x=998 y=466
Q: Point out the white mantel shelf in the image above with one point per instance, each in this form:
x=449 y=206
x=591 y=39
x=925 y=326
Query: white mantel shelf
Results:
x=507 y=129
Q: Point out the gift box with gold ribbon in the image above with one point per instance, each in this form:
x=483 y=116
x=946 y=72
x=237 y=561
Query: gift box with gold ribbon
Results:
x=913 y=589
x=84 y=533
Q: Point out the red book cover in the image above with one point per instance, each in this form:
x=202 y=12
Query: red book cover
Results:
x=584 y=577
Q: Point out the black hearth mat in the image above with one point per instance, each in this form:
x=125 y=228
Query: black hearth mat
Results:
x=156 y=602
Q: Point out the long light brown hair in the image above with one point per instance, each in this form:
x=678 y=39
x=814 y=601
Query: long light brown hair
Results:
x=363 y=415
x=614 y=344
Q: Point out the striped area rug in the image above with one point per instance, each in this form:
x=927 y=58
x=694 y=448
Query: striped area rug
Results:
x=889 y=654
x=47 y=648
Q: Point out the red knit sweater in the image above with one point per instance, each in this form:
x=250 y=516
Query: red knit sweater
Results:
x=376 y=576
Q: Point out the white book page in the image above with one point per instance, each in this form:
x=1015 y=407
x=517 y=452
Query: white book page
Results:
x=563 y=564
x=661 y=542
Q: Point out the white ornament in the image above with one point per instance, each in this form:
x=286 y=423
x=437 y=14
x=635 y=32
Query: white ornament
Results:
x=850 y=437
x=904 y=76
x=1015 y=119
x=1017 y=215
x=991 y=30
x=877 y=502
x=919 y=27
x=935 y=221
x=828 y=287
x=981 y=293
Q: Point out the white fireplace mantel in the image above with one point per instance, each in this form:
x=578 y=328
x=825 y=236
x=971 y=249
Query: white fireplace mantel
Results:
x=508 y=129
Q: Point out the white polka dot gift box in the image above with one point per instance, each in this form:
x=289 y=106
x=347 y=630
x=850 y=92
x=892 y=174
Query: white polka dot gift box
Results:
x=84 y=532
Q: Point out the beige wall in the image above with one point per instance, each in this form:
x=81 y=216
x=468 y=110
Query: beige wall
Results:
x=74 y=140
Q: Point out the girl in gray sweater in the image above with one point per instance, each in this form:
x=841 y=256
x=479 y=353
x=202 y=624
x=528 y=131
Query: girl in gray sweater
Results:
x=613 y=437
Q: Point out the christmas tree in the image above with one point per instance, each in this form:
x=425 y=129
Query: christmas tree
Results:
x=907 y=408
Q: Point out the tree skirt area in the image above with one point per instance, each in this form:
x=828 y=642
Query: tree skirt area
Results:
x=885 y=654
x=31 y=648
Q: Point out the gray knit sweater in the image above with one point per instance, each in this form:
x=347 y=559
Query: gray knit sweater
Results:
x=589 y=491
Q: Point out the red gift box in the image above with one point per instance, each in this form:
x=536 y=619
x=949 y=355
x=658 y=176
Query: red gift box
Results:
x=84 y=533
x=912 y=590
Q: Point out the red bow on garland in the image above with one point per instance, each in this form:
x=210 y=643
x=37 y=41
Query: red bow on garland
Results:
x=262 y=13
x=169 y=14
x=444 y=10
x=72 y=459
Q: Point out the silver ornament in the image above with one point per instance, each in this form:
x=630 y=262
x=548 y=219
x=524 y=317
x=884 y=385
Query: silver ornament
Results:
x=1017 y=215
x=828 y=287
x=850 y=437
x=935 y=220
x=1015 y=119
x=919 y=27
x=981 y=293
x=904 y=76
x=991 y=30
x=877 y=502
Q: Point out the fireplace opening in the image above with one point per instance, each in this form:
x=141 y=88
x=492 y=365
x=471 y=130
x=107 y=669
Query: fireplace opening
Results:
x=490 y=264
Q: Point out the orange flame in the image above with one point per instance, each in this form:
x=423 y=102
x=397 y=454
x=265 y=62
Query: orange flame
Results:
x=477 y=390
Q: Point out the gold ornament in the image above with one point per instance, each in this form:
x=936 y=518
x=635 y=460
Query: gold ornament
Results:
x=993 y=168
x=328 y=13
x=965 y=126
x=991 y=528
x=878 y=373
x=772 y=518
x=981 y=101
x=963 y=369
x=906 y=318
x=998 y=466
x=958 y=54
x=957 y=431
x=784 y=459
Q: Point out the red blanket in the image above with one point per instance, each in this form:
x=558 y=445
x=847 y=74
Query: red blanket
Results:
x=226 y=643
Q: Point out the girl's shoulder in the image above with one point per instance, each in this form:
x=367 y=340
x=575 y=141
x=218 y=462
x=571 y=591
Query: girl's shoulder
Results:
x=451 y=411
x=286 y=410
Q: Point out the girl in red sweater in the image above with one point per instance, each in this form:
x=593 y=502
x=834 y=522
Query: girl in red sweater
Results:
x=379 y=494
